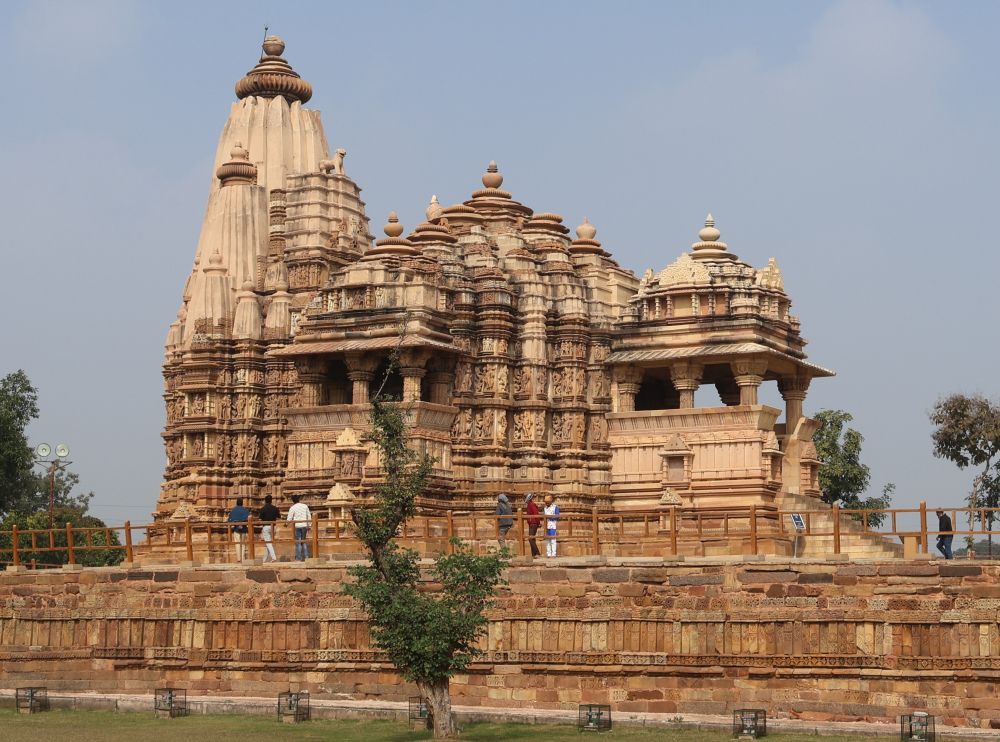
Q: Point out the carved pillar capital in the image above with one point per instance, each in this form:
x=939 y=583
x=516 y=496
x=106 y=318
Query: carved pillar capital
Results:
x=749 y=375
x=793 y=390
x=686 y=378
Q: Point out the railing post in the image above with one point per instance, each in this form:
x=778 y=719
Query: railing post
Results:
x=836 y=528
x=595 y=532
x=520 y=528
x=188 y=540
x=753 y=529
x=923 y=527
x=450 y=547
x=673 y=530
x=129 y=557
x=250 y=549
x=15 y=556
x=315 y=536
x=69 y=543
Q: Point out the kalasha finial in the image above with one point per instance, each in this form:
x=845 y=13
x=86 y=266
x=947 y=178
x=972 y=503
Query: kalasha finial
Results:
x=393 y=228
x=709 y=233
x=586 y=231
x=492 y=178
x=239 y=152
x=273 y=46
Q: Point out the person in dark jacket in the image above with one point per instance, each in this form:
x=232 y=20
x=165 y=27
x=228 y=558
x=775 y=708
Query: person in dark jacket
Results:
x=269 y=516
x=534 y=521
x=945 y=535
x=239 y=514
x=504 y=518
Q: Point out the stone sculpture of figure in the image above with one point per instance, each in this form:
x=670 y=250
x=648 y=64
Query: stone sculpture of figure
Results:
x=253 y=407
x=501 y=419
x=578 y=428
x=502 y=380
x=270 y=449
x=270 y=406
x=482 y=423
x=198 y=405
x=336 y=164
x=521 y=380
x=462 y=376
x=241 y=406
x=197 y=447
x=348 y=463
x=541 y=381
x=482 y=380
x=523 y=426
x=224 y=446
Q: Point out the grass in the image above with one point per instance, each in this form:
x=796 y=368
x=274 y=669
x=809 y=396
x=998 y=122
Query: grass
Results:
x=103 y=726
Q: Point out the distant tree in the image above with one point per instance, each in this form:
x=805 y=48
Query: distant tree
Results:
x=37 y=550
x=428 y=635
x=967 y=433
x=18 y=407
x=62 y=494
x=843 y=479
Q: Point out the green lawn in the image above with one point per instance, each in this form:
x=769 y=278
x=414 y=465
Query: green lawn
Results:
x=101 y=726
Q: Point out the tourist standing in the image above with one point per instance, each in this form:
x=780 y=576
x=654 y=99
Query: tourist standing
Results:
x=299 y=516
x=532 y=511
x=551 y=524
x=269 y=517
x=945 y=534
x=239 y=514
x=505 y=518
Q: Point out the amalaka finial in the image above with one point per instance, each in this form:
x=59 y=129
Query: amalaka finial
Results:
x=238 y=170
x=393 y=228
x=586 y=231
x=492 y=178
x=273 y=77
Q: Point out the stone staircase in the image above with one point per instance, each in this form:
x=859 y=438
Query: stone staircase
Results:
x=853 y=540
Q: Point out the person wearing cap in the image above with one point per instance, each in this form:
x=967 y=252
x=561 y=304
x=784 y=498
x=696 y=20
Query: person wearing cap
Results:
x=532 y=511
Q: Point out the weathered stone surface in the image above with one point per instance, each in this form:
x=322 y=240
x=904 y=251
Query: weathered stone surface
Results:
x=788 y=639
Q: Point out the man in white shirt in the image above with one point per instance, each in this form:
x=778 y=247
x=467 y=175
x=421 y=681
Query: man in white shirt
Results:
x=300 y=517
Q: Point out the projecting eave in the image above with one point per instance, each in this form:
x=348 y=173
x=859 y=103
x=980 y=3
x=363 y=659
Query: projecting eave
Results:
x=334 y=347
x=720 y=351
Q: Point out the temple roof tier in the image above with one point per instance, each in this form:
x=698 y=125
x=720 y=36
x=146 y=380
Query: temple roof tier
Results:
x=273 y=76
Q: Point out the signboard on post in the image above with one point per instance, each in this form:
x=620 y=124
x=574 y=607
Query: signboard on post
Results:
x=800 y=525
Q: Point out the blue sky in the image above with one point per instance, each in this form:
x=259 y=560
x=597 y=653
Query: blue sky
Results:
x=854 y=141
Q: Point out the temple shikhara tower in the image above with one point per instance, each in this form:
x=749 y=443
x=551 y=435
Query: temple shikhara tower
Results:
x=528 y=359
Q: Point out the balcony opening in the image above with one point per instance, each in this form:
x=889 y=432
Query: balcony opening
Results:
x=393 y=388
x=657 y=392
x=337 y=388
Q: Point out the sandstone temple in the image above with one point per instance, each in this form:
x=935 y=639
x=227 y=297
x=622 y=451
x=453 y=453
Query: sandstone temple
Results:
x=528 y=358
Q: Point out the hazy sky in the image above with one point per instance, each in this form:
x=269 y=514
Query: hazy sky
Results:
x=854 y=141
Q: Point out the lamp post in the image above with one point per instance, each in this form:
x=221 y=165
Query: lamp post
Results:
x=56 y=461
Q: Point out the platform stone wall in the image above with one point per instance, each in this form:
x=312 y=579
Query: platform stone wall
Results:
x=822 y=640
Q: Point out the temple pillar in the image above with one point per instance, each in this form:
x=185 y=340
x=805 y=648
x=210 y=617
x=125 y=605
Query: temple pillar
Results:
x=628 y=379
x=412 y=376
x=686 y=378
x=749 y=375
x=312 y=372
x=793 y=390
x=440 y=382
x=360 y=370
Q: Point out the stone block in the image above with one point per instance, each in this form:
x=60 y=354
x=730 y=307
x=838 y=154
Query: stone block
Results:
x=611 y=574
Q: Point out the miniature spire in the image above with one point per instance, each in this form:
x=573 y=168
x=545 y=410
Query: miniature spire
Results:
x=248 y=322
x=433 y=210
x=273 y=76
x=238 y=170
